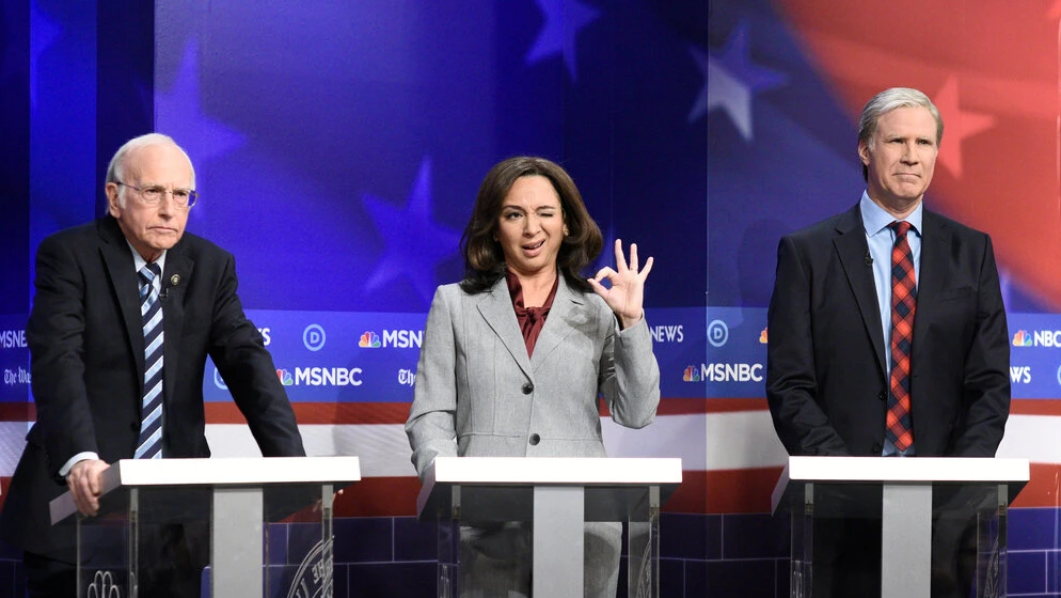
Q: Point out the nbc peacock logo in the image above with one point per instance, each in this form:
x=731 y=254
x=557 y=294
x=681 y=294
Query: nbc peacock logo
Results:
x=692 y=374
x=285 y=377
x=1022 y=339
x=369 y=340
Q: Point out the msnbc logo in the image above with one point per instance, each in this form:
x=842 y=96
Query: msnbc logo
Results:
x=317 y=376
x=724 y=372
x=1022 y=339
x=369 y=340
x=763 y=337
x=12 y=339
x=285 y=377
x=402 y=339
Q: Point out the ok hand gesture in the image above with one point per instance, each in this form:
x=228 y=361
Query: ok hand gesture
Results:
x=627 y=290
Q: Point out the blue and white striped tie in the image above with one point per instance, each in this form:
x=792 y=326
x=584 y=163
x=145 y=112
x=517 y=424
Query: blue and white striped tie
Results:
x=150 y=443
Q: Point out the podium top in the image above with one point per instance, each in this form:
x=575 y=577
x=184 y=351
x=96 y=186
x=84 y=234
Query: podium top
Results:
x=250 y=471
x=891 y=470
x=549 y=471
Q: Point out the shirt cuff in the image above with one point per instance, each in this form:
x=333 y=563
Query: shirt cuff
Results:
x=74 y=460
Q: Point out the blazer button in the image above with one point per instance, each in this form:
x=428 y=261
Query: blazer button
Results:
x=528 y=388
x=535 y=439
x=877 y=449
x=883 y=395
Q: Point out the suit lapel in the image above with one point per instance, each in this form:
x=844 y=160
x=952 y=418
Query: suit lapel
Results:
x=118 y=260
x=852 y=248
x=496 y=309
x=174 y=282
x=935 y=238
x=558 y=324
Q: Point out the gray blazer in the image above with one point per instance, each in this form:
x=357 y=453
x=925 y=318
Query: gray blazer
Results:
x=478 y=393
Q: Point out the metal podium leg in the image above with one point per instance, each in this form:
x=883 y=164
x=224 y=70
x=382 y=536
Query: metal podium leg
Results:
x=236 y=543
x=559 y=540
x=132 y=544
x=906 y=541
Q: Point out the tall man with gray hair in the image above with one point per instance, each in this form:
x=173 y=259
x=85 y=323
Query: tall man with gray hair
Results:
x=126 y=311
x=887 y=330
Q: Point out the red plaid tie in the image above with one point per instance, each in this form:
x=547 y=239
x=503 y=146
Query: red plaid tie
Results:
x=904 y=304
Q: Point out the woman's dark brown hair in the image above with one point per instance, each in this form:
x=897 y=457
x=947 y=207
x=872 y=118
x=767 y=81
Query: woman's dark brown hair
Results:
x=484 y=261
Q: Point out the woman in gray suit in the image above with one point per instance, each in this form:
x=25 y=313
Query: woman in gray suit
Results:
x=515 y=358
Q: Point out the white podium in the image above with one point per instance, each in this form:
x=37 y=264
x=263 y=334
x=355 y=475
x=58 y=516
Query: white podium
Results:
x=909 y=496
x=229 y=503
x=558 y=495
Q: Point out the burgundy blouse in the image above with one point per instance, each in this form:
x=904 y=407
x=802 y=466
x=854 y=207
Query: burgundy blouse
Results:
x=531 y=319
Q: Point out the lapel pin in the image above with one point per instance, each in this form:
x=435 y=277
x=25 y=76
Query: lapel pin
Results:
x=175 y=279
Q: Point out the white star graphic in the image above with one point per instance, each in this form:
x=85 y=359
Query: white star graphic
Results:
x=415 y=245
x=732 y=80
x=178 y=112
x=700 y=105
x=44 y=33
x=563 y=19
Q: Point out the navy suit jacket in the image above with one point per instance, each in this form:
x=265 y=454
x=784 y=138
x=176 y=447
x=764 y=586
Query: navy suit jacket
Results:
x=826 y=369
x=87 y=349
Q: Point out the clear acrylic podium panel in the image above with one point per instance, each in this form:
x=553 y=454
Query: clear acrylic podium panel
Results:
x=272 y=542
x=556 y=514
x=507 y=505
x=967 y=538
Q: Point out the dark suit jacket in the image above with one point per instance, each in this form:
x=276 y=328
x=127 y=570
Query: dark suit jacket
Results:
x=87 y=350
x=826 y=381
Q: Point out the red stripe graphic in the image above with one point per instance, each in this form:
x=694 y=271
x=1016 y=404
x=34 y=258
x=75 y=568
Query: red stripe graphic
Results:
x=397 y=413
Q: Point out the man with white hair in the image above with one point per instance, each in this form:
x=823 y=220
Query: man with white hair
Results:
x=887 y=334
x=126 y=311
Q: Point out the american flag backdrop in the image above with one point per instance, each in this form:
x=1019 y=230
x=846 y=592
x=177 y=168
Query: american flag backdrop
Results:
x=339 y=146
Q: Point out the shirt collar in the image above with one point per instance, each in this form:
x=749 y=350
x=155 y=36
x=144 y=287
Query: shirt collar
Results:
x=139 y=262
x=875 y=219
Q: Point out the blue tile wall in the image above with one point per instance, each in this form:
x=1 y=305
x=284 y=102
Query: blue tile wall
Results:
x=415 y=540
x=754 y=536
x=276 y=543
x=691 y=536
x=695 y=581
x=1053 y=571
x=1034 y=529
x=364 y=539
x=408 y=580
x=340 y=582
x=782 y=572
x=1027 y=572
x=672 y=578
x=745 y=578
x=703 y=556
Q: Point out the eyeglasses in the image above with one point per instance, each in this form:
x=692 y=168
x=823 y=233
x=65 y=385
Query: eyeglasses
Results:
x=152 y=196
